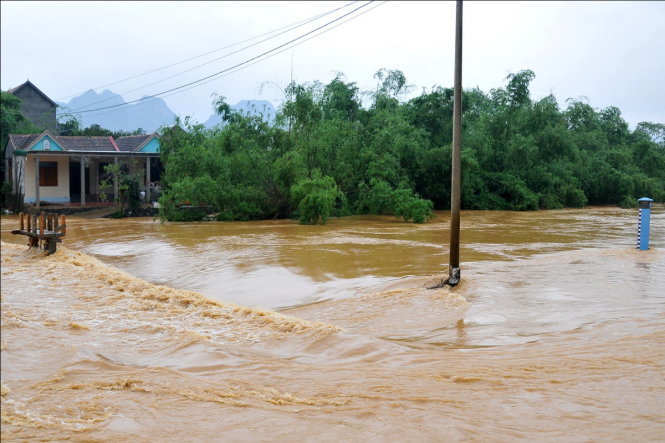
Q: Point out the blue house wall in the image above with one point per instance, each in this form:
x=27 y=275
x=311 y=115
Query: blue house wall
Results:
x=152 y=147
x=54 y=146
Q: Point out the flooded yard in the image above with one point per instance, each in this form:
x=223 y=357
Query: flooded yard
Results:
x=275 y=331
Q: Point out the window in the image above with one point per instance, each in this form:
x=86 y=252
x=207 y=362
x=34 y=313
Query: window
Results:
x=48 y=173
x=47 y=145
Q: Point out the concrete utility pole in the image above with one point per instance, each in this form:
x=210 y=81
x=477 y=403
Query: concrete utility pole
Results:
x=455 y=199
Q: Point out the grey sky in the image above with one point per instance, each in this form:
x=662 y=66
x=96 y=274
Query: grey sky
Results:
x=613 y=53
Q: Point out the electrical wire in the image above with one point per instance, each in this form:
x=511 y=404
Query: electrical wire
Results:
x=193 y=68
x=270 y=56
x=232 y=67
x=290 y=27
x=153 y=99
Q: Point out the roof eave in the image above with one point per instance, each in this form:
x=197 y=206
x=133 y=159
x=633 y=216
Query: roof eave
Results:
x=99 y=153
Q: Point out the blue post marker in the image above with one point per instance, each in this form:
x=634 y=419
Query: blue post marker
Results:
x=644 y=223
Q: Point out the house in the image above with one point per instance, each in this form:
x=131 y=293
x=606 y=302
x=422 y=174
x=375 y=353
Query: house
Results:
x=36 y=106
x=66 y=169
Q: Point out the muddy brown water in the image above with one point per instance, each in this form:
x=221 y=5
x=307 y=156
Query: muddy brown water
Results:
x=272 y=331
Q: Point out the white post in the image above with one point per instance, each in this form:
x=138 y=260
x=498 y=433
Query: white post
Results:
x=82 y=181
x=37 y=182
x=94 y=176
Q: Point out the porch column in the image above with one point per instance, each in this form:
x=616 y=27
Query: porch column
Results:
x=37 y=182
x=93 y=166
x=115 y=181
x=147 y=178
x=82 y=181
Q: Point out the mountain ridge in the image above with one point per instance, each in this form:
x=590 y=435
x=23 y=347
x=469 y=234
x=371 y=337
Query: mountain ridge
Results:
x=148 y=115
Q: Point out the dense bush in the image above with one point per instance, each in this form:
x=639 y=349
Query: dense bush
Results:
x=187 y=199
x=315 y=198
x=410 y=207
x=328 y=154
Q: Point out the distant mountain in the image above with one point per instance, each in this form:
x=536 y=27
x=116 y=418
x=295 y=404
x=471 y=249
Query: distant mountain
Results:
x=148 y=115
x=248 y=107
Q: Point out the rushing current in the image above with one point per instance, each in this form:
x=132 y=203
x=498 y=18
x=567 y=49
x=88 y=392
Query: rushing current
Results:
x=272 y=331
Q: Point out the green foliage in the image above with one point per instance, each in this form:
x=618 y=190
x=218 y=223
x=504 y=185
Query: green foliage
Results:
x=315 y=198
x=378 y=198
x=186 y=200
x=518 y=87
x=129 y=194
x=328 y=155
x=132 y=194
x=12 y=121
x=70 y=126
x=381 y=198
x=410 y=207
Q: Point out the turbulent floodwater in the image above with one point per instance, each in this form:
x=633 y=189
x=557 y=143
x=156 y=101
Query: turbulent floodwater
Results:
x=275 y=331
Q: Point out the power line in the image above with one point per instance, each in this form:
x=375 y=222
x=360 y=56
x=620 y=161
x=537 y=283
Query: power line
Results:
x=277 y=53
x=153 y=99
x=232 y=67
x=290 y=26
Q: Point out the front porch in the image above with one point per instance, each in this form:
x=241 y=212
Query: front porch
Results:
x=45 y=169
x=80 y=181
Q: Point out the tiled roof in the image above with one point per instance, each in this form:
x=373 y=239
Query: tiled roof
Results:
x=96 y=144
x=22 y=141
x=81 y=143
x=131 y=142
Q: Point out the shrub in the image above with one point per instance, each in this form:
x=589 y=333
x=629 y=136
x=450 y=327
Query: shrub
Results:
x=315 y=198
x=132 y=194
x=409 y=206
x=184 y=199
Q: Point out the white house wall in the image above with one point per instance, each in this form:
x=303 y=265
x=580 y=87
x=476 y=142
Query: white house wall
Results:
x=53 y=194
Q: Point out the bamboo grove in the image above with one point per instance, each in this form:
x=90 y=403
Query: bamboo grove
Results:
x=328 y=155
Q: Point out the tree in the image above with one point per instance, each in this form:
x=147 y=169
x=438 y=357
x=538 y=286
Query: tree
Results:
x=69 y=125
x=12 y=121
x=655 y=132
x=315 y=198
x=330 y=155
x=128 y=197
x=340 y=100
x=518 y=87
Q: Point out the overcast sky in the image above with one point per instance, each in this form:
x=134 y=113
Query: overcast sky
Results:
x=612 y=53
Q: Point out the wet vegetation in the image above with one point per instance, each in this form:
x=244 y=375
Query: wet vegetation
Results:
x=328 y=155
x=335 y=150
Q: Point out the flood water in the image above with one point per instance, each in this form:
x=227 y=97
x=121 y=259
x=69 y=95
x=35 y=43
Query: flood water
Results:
x=264 y=331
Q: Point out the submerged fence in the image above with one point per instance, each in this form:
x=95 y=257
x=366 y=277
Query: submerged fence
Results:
x=43 y=230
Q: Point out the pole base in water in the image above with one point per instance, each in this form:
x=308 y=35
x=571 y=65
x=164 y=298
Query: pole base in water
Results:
x=453 y=280
x=454 y=277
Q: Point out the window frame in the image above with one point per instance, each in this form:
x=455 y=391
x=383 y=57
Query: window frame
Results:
x=48 y=173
